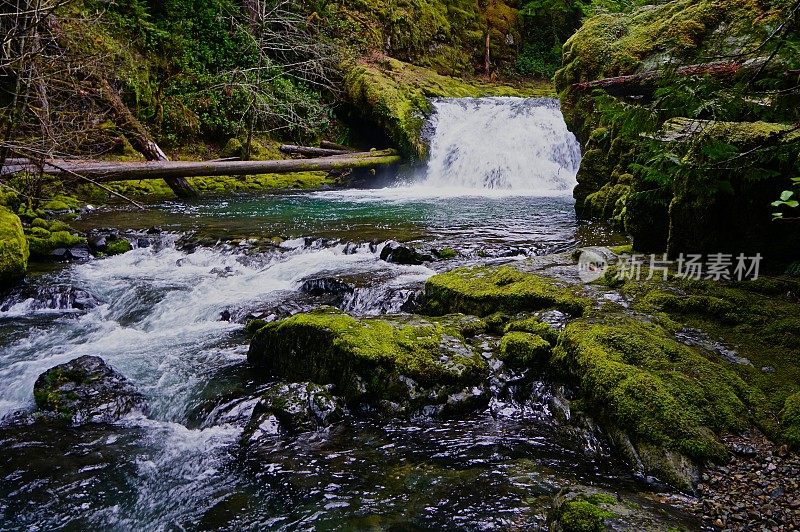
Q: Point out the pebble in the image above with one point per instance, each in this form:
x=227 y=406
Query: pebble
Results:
x=758 y=489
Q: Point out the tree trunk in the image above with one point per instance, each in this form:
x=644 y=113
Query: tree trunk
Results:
x=645 y=83
x=310 y=151
x=105 y=172
x=487 y=57
x=140 y=139
x=328 y=145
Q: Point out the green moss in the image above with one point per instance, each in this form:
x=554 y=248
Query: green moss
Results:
x=585 y=515
x=759 y=319
x=365 y=357
x=447 y=253
x=790 y=420
x=534 y=326
x=484 y=290
x=661 y=391
x=118 y=247
x=39 y=232
x=38 y=222
x=523 y=349
x=14 y=250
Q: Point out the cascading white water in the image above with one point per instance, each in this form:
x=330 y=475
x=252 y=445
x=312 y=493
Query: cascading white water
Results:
x=518 y=144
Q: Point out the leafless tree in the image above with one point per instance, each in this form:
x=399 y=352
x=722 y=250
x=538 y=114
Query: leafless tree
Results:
x=288 y=44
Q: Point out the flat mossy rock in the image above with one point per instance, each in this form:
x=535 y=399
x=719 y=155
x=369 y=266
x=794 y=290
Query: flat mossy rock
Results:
x=86 y=390
x=484 y=290
x=635 y=375
x=13 y=248
x=409 y=361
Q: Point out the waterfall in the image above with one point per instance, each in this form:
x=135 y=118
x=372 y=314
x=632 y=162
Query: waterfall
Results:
x=518 y=144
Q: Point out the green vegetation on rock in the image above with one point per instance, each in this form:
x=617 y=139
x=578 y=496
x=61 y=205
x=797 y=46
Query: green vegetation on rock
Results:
x=523 y=349
x=585 y=513
x=14 y=251
x=484 y=290
x=640 y=378
x=118 y=247
x=367 y=358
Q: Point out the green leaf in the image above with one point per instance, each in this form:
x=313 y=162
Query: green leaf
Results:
x=786 y=194
x=777 y=203
x=792 y=203
x=777 y=215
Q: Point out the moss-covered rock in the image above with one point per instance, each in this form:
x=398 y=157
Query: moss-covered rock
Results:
x=790 y=420
x=673 y=188
x=42 y=242
x=14 y=251
x=86 y=390
x=523 y=349
x=413 y=362
x=638 y=377
x=118 y=247
x=583 y=513
x=484 y=290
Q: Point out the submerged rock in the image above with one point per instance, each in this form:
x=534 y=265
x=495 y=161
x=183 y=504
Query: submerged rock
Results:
x=293 y=408
x=86 y=390
x=397 y=253
x=408 y=361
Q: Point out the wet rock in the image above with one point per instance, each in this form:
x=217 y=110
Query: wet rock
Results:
x=326 y=286
x=97 y=242
x=370 y=359
x=397 y=253
x=225 y=315
x=60 y=254
x=79 y=253
x=86 y=390
x=294 y=408
x=700 y=339
x=143 y=242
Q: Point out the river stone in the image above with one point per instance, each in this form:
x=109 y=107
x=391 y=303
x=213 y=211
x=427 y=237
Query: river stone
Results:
x=293 y=408
x=397 y=253
x=86 y=390
x=326 y=286
x=411 y=361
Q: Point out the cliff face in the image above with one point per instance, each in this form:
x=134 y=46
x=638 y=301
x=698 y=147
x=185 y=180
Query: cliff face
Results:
x=703 y=184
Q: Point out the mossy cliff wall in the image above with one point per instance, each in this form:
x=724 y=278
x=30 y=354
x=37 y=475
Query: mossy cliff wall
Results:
x=13 y=248
x=709 y=188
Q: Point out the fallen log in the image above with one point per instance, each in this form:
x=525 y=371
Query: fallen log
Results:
x=103 y=172
x=645 y=83
x=310 y=151
x=328 y=145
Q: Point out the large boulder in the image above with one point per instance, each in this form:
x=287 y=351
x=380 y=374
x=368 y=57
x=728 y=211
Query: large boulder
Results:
x=399 y=364
x=13 y=248
x=670 y=400
x=86 y=390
